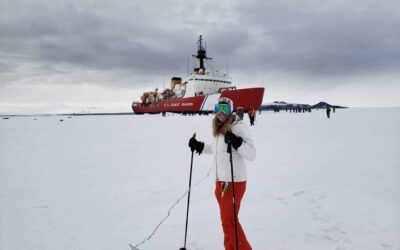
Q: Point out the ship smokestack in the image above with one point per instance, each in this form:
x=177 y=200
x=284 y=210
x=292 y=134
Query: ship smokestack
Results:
x=175 y=81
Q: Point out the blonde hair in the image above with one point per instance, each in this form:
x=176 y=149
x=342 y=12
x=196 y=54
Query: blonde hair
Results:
x=220 y=128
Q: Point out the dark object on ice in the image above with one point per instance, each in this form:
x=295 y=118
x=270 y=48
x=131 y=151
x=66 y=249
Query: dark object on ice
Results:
x=69 y=117
x=328 y=112
x=6 y=118
x=133 y=248
x=252 y=116
x=61 y=120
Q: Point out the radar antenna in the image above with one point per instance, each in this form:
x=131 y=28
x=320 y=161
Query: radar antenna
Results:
x=201 y=55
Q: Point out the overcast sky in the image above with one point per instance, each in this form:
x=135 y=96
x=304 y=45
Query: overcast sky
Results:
x=89 y=54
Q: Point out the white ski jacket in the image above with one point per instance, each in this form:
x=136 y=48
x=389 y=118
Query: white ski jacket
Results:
x=219 y=148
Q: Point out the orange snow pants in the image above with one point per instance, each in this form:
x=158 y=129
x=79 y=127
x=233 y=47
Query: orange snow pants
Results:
x=225 y=202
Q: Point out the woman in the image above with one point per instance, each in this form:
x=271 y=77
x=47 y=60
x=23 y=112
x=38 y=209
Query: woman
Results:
x=226 y=127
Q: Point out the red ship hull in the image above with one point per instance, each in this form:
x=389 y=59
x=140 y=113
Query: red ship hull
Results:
x=245 y=98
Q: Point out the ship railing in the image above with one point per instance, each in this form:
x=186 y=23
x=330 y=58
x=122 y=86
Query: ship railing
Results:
x=226 y=88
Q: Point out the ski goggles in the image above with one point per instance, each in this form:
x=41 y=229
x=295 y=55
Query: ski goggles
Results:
x=222 y=107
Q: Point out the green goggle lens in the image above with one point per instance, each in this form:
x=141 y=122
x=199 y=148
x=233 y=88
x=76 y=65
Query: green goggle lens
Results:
x=224 y=108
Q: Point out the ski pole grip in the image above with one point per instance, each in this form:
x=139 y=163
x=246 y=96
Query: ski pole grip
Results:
x=192 y=143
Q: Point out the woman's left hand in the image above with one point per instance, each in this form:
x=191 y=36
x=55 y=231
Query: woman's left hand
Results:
x=236 y=141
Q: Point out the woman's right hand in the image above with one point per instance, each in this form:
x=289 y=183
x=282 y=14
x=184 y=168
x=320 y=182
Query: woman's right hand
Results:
x=196 y=145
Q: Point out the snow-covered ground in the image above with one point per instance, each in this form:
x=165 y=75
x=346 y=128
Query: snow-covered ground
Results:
x=104 y=182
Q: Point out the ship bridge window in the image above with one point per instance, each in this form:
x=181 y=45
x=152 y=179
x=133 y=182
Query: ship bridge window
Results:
x=211 y=80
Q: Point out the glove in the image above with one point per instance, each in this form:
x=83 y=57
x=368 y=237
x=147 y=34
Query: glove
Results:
x=236 y=141
x=196 y=145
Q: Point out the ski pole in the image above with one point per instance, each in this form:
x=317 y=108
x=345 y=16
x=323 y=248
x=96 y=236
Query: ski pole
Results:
x=233 y=195
x=188 y=200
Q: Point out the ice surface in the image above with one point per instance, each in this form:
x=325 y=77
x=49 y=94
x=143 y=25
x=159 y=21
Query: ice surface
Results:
x=103 y=182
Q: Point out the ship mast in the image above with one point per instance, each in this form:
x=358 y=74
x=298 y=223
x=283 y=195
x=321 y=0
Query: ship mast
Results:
x=201 y=55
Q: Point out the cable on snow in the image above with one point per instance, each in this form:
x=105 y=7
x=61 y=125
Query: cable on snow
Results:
x=148 y=238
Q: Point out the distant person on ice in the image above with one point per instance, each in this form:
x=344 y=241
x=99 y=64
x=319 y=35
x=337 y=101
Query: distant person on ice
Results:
x=328 y=112
x=228 y=127
x=252 y=115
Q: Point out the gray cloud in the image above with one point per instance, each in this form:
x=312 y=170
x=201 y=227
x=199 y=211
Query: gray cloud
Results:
x=328 y=39
x=315 y=39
